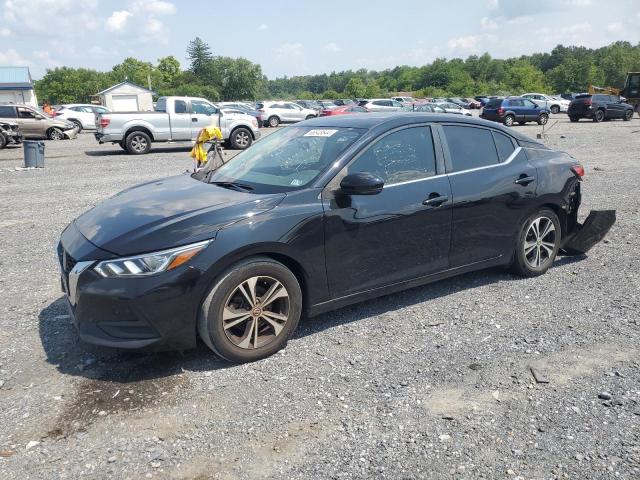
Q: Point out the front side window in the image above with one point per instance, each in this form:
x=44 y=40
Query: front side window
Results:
x=528 y=103
x=26 y=113
x=203 y=108
x=470 y=147
x=401 y=156
x=287 y=160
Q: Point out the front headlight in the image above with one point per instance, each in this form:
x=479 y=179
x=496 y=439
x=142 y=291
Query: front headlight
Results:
x=150 y=263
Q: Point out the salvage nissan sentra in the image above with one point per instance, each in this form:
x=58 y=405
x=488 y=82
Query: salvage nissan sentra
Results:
x=326 y=213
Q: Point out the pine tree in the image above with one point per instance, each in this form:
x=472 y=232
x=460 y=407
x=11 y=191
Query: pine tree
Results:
x=198 y=53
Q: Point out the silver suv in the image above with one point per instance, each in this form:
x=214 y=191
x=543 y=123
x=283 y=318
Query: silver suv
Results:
x=383 y=105
x=275 y=113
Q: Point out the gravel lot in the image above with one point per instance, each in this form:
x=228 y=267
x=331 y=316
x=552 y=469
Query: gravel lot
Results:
x=434 y=382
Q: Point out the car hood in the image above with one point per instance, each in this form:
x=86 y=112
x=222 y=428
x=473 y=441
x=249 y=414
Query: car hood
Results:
x=166 y=213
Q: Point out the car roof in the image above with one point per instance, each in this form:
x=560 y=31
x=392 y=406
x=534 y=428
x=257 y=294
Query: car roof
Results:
x=391 y=120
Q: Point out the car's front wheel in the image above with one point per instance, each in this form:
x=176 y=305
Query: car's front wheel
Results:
x=543 y=119
x=538 y=244
x=55 y=134
x=508 y=120
x=628 y=115
x=251 y=311
x=241 y=138
x=77 y=124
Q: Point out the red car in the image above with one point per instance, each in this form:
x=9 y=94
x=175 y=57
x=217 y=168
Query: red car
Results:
x=343 y=110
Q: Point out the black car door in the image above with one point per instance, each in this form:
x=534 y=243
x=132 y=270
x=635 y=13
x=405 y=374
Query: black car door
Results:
x=493 y=186
x=401 y=233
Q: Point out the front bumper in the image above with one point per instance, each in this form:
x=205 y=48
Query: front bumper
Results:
x=592 y=231
x=158 y=311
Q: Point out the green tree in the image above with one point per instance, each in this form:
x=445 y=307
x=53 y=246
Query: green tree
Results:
x=136 y=71
x=355 y=88
x=71 y=85
x=169 y=68
x=198 y=54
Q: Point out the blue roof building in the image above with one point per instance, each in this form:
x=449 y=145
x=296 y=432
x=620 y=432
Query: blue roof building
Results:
x=16 y=86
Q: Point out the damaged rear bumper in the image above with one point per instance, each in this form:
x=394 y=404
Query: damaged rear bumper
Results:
x=593 y=230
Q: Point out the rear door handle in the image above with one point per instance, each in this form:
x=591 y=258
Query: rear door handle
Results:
x=194 y=119
x=435 y=200
x=524 y=180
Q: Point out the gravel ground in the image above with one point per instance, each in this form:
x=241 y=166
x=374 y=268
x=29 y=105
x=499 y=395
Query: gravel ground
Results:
x=434 y=382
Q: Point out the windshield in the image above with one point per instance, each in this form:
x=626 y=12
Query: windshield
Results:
x=287 y=160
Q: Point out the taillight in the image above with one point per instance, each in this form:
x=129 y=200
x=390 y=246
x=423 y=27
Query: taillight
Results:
x=500 y=111
x=587 y=101
x=578 y=170
x=104 y=122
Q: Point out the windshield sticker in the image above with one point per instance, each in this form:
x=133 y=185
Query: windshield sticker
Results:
x=316 y=132
x=296 y=182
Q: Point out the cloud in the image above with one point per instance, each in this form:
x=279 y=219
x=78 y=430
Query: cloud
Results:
x=5 y=32
x=51 y=18
x=118 y=20
x=289 y=49
x=262 y=27
x=44 y=58
x=468 y=42
x=331 y=47
x=139 y=20
x=12 y=58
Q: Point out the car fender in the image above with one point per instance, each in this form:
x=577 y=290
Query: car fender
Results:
x=138 y=124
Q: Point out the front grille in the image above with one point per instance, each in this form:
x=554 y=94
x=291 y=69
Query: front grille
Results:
x=67 y=262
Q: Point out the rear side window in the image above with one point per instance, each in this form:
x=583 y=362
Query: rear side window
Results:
x=399 y=157
x=600 y=98
x=470 y=147
x=7 y=112
x=180 y=106
x=504 y=145
x=161 y=105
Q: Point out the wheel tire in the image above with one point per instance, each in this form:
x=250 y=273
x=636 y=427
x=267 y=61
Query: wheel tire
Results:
x=598 y=116
x=543 y=119
x=524 y=264
x=309 y=117
x=628 y=115
x=273 y=121
x=77 y=124
x=555 y=109
x=3 y=141
x=225 y=290
x=241 y=138
x=138 y=143
x=574 y=119
x=123 y=145
x=508 y=120
x=55 y=134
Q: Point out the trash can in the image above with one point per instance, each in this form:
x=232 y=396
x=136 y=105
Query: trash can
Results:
x=33 y=153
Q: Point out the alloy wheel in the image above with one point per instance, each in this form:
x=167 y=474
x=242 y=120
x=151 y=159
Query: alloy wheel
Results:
x=256 y=312
x=540 y=242
x=55 y=134
x=139 y=143
x=242 y=139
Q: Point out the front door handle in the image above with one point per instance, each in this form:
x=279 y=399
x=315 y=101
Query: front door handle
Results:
x=524 y=180
x=435 y=200
x=194 y=119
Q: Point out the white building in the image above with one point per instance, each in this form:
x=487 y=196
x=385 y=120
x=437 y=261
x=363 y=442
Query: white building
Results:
x=16 y=86
x=127 y=97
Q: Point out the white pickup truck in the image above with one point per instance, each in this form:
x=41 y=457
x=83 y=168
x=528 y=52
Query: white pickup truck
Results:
x=176 y=119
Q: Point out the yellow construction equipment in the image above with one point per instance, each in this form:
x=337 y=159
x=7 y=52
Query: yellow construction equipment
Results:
x=631 y=90
x=605 y=90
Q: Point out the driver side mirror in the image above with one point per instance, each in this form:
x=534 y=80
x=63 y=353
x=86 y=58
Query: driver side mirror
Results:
x=361 y=183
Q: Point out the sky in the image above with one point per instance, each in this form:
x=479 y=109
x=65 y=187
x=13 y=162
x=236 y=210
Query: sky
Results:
x=301 y=37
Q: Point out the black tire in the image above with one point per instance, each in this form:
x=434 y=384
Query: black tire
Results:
x=555 y=109
x=523 y=264
x=138 y=143
x=628 y=115
x=77 y=124
x=123 y=145
x=241 y=138
x=543 y=119
x=508 y=120
x=309 y=117
x=211 y=326
x=3 y=141
x=273 y=121
x=55 y=134
x=598 y=116
x=574 y=119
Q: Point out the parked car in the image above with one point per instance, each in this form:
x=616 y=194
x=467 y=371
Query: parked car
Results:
x=307 y=221
x=343 y=110
x=428 y=107
x=453 y=108
x=275 y=113
x=310 y=104
x=343 y=101
x=36 y=125
x=514 y=109
x=482 y=99
x=458 y=101
x=242 y=108
x=472 y=103
x=568 y=96
x=554 y=104
x=9 y=134
x=599 y=107
x=383 y=105
x=83 y=116
x=325 y=104
x=406 y=101
x=176 y=119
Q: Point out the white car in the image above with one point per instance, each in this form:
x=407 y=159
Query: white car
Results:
x=555 y=104
x=407 y=101
x=383 y=105
x=83 y=116
x=275 y=113
x=453 y=108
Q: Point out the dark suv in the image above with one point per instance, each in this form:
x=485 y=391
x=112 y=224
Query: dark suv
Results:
x=514 y=109
x=599 y=107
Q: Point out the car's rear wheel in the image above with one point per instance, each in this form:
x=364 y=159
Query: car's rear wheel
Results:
x=251 y=311
x=138 y=143
x=538 y=244
x=628 y=115
x=55 y=134
x=241 y=138
x=543 y=119
x=598 y=116
x=309 y=117
x=574 y=119
x=273 y=121
x=508 y=120
x=555 y=109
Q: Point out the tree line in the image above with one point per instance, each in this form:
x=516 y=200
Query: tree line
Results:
x=218 y=78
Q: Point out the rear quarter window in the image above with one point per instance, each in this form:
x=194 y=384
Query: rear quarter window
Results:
x=470 y=147
x=493 y=103
x=7 y=112
x=504 y=145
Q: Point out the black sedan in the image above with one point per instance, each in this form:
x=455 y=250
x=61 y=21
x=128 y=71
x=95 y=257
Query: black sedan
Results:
x=326 y=213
